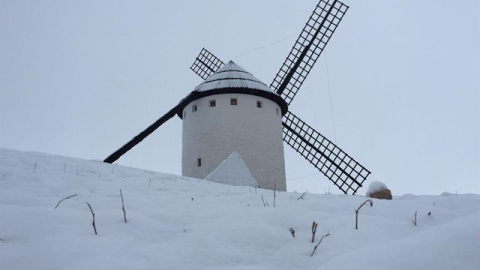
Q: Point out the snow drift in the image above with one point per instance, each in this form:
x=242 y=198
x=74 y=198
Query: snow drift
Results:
x=184 y=223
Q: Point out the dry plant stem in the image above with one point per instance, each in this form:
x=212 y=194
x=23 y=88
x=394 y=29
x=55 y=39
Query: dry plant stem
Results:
x=93 y=215
x=274 y=194
x=415 y=219
x=264 y=205
x=34 y=167
x=358 y=209
x=64 y=200
x=123 y=207
x=315 y=248
x=292 y=232
x=314 y=229
x=303 y=194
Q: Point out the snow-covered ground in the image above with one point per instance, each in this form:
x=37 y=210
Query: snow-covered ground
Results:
x=182 y=223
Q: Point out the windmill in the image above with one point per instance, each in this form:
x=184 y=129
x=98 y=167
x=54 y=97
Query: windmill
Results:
x=339 y=167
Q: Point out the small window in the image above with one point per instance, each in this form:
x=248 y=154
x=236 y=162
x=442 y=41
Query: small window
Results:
x=213 y=103
x=199 y=162
x=194 y=108
x=277 y=111
x=233 y=101
x=259 y=104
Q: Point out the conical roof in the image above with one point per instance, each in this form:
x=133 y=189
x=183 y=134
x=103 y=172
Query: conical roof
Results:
x=229 y=76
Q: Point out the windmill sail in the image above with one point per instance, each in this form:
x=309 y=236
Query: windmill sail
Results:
x=345 y=172
x=308 y=47
x=142 y=135
x=205 y=64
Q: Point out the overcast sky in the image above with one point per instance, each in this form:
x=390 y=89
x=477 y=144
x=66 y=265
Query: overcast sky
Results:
x=397 y=88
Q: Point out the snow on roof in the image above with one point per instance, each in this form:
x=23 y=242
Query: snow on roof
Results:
x=231 y=75
x=231 y=78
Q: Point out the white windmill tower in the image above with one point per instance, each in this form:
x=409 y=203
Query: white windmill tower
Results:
x=232 y=111
x=214 y=127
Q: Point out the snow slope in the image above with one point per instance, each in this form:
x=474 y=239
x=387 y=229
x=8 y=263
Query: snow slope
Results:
x=182 y=223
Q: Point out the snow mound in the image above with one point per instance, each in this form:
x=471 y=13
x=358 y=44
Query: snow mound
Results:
x=175 y=222
x=233 y=171
x=376 y=186
x=408 y=196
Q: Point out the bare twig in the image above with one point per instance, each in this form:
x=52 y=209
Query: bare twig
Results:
x=64 y=199
x=274 y=193
x=292 y=232
x=314 y=229
x=34 y=167
x=264 y=205
x=415 y=219
x=303 y=194
x=315 y=248
x=358 y=209
x=123 y=207
x=93 y=215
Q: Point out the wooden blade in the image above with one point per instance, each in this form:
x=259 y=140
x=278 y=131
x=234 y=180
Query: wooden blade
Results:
x=345 y=172
x=205 y=64
x=142 y=135
x=308 y=47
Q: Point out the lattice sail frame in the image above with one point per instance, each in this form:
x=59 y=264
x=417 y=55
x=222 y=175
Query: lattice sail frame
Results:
x=205 y=64
x=327 y=157
x=308 y=47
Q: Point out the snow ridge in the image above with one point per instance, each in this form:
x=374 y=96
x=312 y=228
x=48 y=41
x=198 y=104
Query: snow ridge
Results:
x=184 y=223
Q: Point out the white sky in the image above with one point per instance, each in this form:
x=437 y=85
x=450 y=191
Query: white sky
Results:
x=81 y=78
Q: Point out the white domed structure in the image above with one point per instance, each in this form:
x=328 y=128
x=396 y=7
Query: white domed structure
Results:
x=232 y=111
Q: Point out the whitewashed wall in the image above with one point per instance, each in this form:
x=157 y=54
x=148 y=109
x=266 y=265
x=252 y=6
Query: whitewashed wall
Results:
x=213 y=133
